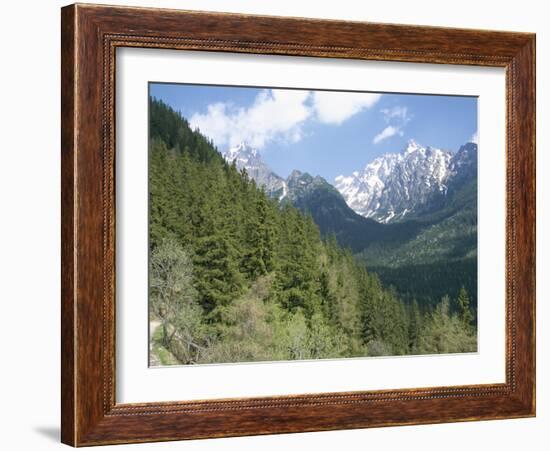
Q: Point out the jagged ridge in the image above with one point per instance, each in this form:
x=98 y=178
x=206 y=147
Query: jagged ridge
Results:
x=246 y=157
x=397 y=185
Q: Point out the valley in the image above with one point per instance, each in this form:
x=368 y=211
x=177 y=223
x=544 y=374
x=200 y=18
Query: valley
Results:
x=411 y=216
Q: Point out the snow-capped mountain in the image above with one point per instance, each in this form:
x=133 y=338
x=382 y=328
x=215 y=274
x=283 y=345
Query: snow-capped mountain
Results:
x=246 y=157
x=397 y=184
x=392 y=187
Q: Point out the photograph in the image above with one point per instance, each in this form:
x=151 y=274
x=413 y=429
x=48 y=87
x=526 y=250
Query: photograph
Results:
x=293 y=224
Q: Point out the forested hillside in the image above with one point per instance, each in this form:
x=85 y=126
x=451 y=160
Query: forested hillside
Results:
x=440 y=258
x=424 y=253
x=235 y=276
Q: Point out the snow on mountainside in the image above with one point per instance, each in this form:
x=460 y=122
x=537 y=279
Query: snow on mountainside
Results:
x=298 y=186
x=392 y=187
x=246 y=157
x=397 y=184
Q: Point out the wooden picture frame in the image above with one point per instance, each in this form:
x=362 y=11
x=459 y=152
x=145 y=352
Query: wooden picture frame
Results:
x=90 y=36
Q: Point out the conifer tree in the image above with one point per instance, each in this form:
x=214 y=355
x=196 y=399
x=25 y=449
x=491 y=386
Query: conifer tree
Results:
x=219 y=280
x=444 y=332
x=258 y=260
x=415 y=326
x=463 y=302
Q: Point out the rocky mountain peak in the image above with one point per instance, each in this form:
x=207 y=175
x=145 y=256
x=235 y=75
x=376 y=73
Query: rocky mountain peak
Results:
x=395 y=185
x=295 y=175
x=242 y=152
x=248 y=158
x=412 y=146
x=388 y=189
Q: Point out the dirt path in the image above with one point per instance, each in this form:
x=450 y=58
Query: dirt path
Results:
x=153 y=325
x=154 y=359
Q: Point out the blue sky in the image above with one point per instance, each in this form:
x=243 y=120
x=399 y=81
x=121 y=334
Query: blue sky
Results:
x=327 y=133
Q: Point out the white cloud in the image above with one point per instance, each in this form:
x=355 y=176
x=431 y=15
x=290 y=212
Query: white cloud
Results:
x=278 y=115
x=388 y=132
x=215 y=123
x=334 y=107
x=475 y=138
x=399 y=113
x=275 y=114
x=396 y=118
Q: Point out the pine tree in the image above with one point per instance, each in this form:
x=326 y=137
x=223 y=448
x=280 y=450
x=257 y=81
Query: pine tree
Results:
x=219 y=280
x=258 y=260
x=415 y=326
x=328 y=301
x=463 y=302
x=444 y=332
x=297 y=268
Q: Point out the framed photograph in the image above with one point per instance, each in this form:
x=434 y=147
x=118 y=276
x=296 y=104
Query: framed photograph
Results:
x=279 y=225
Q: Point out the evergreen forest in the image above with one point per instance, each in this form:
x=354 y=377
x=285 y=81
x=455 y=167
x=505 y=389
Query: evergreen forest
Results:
x=236 y=276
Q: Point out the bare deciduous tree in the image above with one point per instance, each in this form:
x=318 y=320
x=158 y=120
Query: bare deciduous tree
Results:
x=173 y=300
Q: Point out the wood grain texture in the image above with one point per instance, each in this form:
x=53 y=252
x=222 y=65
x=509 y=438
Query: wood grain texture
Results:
x=68 y=239
x=90 y=36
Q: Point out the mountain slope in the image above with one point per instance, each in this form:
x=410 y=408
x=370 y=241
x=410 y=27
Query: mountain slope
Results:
x=395 y=186
x=439 y=259
x=235 y=277
x=315 y=196
x=333 y=215
x=246 y=157
x=427 y=249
